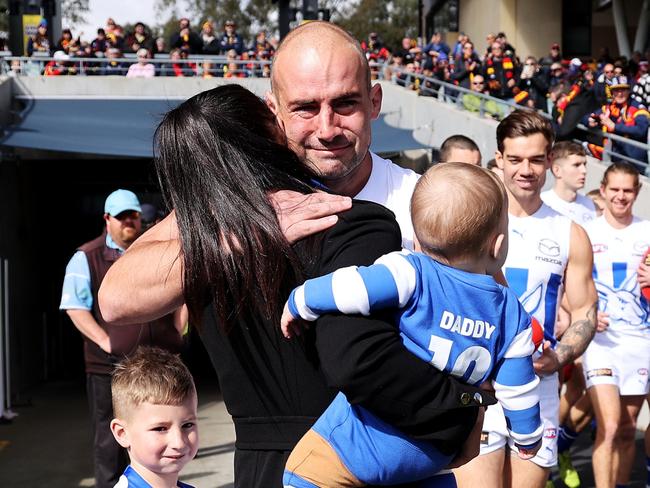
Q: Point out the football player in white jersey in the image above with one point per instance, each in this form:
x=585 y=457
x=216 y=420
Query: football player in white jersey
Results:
x=616 y=363
x=546 y=251
x=569 y=167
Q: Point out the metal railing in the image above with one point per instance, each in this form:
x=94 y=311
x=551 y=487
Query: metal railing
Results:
x=196 y=65
x=487 y=106
x=220 y=66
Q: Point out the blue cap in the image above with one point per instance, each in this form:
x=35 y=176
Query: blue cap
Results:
x=43 y=23
x=121 y=200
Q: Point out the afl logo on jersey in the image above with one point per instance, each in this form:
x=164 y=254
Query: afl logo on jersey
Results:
x=642 y=371
x=599 y=248
x=549 y=247
x=640 y=247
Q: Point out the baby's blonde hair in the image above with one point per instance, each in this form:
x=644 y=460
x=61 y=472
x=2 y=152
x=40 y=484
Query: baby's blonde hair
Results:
x=150 y=375
x=456 y=210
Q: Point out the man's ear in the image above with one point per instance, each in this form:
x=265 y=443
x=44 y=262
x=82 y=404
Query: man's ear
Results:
x=271 y=102
x=555 y=169
x=119 y=430
x=498 y=157
x=376 y=96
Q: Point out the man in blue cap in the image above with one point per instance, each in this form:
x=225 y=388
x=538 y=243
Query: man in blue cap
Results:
x=104 y=345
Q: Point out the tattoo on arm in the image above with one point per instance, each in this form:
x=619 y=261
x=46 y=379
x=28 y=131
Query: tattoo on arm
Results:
x=577 y=337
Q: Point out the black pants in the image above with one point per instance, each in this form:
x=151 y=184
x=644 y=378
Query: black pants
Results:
x=109 y=457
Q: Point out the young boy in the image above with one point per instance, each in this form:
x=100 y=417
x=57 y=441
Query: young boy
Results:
x=154 y=402
x=451 y=313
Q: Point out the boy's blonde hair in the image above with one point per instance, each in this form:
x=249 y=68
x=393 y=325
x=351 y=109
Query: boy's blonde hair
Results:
x=150 y=375
x=456 y=209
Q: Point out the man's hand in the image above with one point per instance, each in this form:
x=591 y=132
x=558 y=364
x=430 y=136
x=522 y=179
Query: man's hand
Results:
x=291 y=325
x=303 y=215
x=548 y=363
x=602 y=321
x=606 y=121
x=472 y=446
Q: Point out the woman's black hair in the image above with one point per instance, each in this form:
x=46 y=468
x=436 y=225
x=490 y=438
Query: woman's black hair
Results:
x=218 y=156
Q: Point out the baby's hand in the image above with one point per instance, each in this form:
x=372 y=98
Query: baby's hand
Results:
x=289 y=324
x=529 y=453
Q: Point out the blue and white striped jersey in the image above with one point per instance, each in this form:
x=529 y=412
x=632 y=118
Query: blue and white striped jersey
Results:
x=131 y=479
x=617 y=255
x=538 y=252
x=462 y=323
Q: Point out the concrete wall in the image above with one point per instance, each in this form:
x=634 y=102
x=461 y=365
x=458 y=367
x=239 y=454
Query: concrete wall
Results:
x=531 y=26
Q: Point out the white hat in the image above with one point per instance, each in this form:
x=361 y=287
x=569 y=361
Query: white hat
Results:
x=60 y=56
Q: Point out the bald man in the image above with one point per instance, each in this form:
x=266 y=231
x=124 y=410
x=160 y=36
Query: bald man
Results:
x=325 y=104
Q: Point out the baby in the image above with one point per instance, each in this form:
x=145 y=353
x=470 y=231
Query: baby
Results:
x=450 y=312
x=154 y=403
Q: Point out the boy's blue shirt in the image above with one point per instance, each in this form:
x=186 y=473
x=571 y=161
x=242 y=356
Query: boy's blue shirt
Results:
x=131 y=479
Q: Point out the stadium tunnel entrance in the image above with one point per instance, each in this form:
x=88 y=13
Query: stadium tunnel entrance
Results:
x=51 y=203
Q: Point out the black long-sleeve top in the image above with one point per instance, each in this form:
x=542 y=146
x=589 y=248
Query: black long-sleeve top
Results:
x=275 y=388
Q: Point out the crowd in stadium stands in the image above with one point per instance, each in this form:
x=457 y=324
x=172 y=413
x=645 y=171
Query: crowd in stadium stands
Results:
x=606 y=93
x=112 y=43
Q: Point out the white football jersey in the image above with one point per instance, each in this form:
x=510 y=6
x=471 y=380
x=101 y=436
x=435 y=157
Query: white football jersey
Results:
x=617 y=255
x=538 y=252
x=581 y=211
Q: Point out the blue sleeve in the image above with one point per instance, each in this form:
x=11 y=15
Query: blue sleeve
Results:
x=77 y=293
x=637 y=131
x=515 y=384
x=388 y=283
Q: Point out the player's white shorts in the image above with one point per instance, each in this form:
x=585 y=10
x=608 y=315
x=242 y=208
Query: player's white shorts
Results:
x=615 y=358
x=495 y=435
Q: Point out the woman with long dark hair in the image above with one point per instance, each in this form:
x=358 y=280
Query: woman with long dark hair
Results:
x=219 y=155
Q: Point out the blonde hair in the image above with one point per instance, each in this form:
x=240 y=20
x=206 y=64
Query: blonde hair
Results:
x=456 y=209
x=150 y=375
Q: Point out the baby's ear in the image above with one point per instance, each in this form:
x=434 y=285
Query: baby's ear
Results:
x=499 y=242
x=120 y=432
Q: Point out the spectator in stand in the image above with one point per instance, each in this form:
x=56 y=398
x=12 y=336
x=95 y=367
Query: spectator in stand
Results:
x=112 y=66
x=60 y=66
x=407 y=51
x=143 y=68
x=499 y=71
x=622 y=117
x=460 y=45
x=39 y=43
x=234 y=70
x=554 y=56
x=67 y=43
x=578 y=102
x=489 y=39
x=602 y=91
x=641 y=91
x=436 y=46
x=556 y=75
x=178 y=67
x=138 y=39
x=208 y=69
x=160 y=46
x=261 y=47
x=472 y=103
x=186 y=38
x=533 y=85
x=508 y=49
x=230 y=39
x=466 y=66
x=100 y=44
x=114 y=34
x=209 y=38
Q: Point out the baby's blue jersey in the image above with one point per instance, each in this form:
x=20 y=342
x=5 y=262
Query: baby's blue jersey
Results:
x=462 y=323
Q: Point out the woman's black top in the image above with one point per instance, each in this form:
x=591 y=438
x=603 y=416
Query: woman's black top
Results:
x=275 y=388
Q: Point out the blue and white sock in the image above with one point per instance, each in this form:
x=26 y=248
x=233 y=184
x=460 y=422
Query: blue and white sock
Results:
x=565 y=438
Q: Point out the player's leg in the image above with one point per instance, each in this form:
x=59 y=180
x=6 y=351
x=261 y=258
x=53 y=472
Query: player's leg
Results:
x=630 y=407
x=525 y=473
x=485 y=471
x=607 y=410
